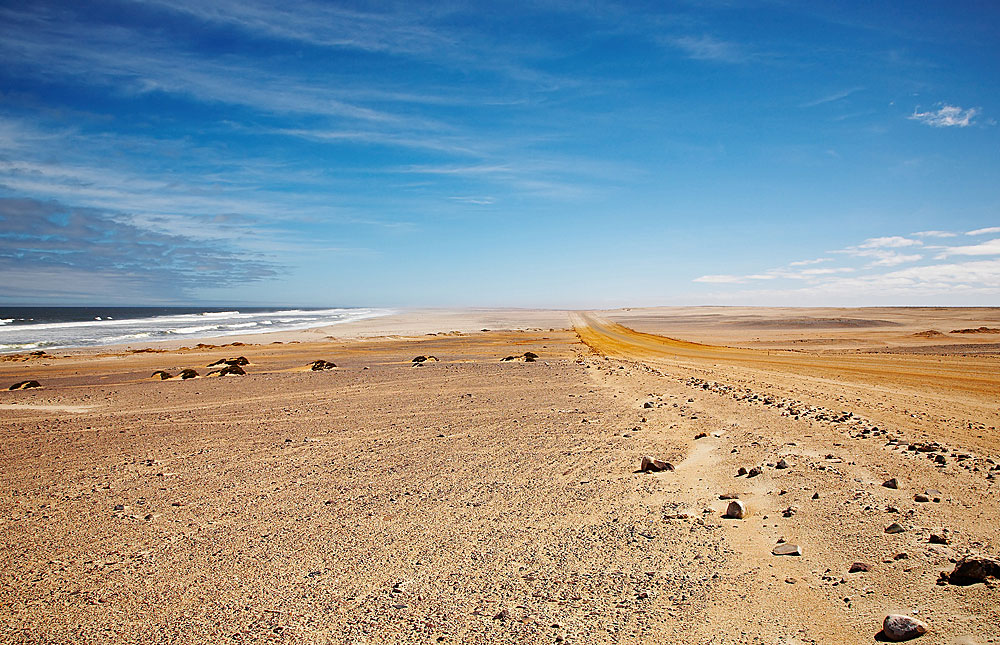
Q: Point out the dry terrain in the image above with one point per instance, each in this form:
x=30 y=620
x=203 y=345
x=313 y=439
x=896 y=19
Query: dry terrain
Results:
x=471 y=499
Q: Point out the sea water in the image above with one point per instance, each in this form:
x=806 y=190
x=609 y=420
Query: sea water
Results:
x=44 y=328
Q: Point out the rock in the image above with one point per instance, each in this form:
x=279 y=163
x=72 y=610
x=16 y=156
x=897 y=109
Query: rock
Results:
x=790 y=511
x=782 y=464
x=647 y=405
x=25 y=385
x=701 y=435
x=815 y=495
x=503 y=614
x=741 y=471
x=939 y=538
x=188 y=373
x=897 y=627
x=972 y=569
x=232 y=369
x=725 y=496
x=858 y=567
x=649 y=464
x=421 y=359
x=895 y=527
x=787 y=549
x=891 y=483
x=530 y=357
x=754 y=471
x=320 y=365
x=163 y=376
x=920 y=497
x=736 y=510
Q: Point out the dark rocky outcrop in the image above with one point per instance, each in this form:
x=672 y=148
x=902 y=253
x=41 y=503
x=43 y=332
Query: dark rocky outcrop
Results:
x=25 y=385
x=188 y=373
x=321 y=364
x=161 y=374
x=972 y=569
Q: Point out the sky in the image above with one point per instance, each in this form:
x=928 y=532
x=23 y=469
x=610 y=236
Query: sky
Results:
x=532 y=154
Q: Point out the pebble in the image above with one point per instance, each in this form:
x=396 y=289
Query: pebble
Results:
x=782 y=464
x=891 y=483
x=737 y=510
x=920 y=497
x=787 y=549
x=897 y=627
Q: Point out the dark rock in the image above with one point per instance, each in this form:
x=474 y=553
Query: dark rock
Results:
x=530 y=357
x=972 y=569
x=897 y=627
x=701 y=435
x=321 y=364
x=736 y=510
x=892 y=483
x=920 y=497
x=188 y=373
x=232 y=370
x=895 y=527
x=754 y=471
x=858 y=567
x=25 y=385
x=741 y=471
x=649 y=464
x=162 y=374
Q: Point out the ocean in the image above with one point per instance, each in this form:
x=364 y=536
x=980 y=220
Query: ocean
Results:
x=44 y=328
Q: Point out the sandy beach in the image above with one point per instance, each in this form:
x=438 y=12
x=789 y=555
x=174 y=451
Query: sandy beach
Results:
x=469 y=499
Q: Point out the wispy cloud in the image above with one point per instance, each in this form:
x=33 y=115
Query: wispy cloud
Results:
x=832 y=98
x=51 y=238
x=984 y=231
x=946 y=116
x=992 y=247
x=934 y=234
x=709 y=48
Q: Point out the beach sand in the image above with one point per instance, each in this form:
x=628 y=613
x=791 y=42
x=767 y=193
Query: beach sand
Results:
x=476 y=500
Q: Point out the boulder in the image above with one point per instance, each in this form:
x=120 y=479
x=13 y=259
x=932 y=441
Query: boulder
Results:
x=972 y=569
x=25 y=385
x=787 y=549
x=650 y=464
x=897 y=627
x=736 y=510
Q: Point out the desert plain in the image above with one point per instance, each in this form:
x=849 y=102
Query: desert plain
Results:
x=471 y=499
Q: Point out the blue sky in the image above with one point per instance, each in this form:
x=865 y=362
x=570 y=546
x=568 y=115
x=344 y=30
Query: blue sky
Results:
x=553 y=154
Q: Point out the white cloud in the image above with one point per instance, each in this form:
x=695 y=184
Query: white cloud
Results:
x=991 y=247
x=721 y=279
x=984 y=231
x=803 y=263
x=709 y=49
x=946 y=116
x=934 y=234
x=892 y=242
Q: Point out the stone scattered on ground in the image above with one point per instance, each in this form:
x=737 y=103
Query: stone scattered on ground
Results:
x=736 y=510
x=239 y=360
x=891 y=483
x=423 y=359
x=972 y=569
x=163 y=375
x=858 y=567
x=895 y=527
x=24 y=385
x=320 y=365
x=787 y=549
x=188 y=373
x=651 y=464
x=228 y=370
x=897 y=627
x=527 y=357
x=782 y=464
